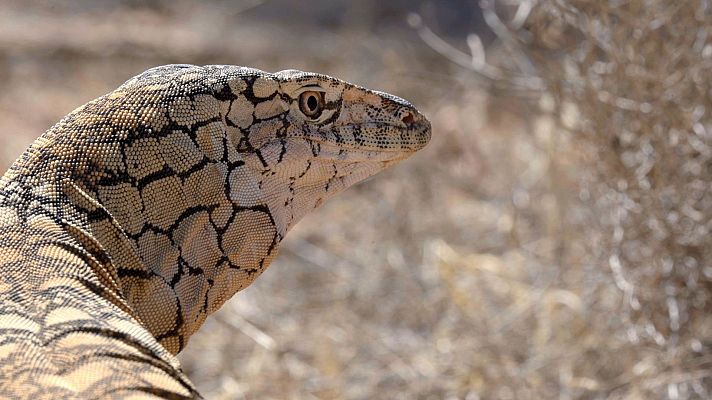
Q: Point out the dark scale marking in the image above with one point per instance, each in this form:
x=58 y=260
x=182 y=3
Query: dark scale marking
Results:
x=228 y=121
x=135 y=273
x=225 y=94
x=282 y=152
x=129 y=137
x=332 y=105
x=195 y=168
x=225 y=153
x=177 y=324
x=244 y=146
x=210 y=283
x=279 y=117
x=258 y=153
x=282 y=130
x=358 y=137
x=309 y=164
x=316 y=148
x=232 y=165
x=187 y=213
x=165 y=172
x=179 y=274
x=331 y=178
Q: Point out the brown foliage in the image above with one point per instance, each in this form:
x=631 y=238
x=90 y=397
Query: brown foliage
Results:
x=637 y=74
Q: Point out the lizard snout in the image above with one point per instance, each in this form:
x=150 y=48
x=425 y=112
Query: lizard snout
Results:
x=418 y=128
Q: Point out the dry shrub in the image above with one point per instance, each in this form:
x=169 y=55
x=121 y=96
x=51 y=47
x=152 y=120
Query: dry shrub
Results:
x=624 y=97
x=637 y=76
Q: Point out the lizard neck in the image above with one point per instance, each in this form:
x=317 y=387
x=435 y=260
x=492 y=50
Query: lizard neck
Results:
x=176 y=214
x=70 y=283
x=187 y=239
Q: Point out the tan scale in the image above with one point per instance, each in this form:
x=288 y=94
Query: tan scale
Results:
x=140 y=213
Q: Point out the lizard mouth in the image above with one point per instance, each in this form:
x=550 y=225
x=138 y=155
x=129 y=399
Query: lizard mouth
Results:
x=377 y=137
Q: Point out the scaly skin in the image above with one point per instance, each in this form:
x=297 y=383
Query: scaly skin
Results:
x=140 y=213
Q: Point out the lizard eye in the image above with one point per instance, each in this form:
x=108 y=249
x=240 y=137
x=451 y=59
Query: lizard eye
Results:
x=311 y=103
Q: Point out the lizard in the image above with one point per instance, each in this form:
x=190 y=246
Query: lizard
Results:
x=140 y=213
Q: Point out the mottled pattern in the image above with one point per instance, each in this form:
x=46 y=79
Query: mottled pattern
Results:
x=140 y=213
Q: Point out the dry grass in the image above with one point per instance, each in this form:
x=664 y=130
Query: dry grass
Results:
x=551 y=242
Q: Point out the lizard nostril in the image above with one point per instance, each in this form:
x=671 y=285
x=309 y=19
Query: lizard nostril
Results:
x=408 y=118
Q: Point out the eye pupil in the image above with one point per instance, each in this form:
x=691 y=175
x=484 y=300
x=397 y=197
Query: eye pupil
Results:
x=312 y=103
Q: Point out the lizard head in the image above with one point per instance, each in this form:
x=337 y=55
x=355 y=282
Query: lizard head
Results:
x=205 y=169
x=308 y=137
x=352 y=123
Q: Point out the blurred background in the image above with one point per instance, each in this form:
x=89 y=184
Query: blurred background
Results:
x=553 y=240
